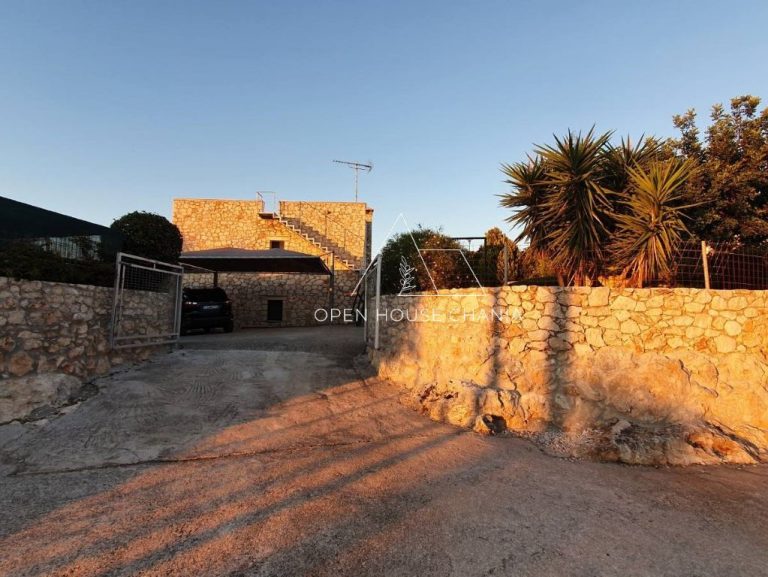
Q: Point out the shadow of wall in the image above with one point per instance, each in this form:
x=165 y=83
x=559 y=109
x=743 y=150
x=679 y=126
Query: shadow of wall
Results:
x=642 y=376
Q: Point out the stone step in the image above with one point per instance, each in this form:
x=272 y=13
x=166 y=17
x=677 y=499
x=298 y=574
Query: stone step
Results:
x=297 y=229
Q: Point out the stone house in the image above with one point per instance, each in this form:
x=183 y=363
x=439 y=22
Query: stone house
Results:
x=277 y=267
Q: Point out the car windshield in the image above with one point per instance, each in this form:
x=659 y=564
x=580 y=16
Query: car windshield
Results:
x=214 y=294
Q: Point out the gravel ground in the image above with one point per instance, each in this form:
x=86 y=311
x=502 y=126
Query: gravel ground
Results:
x=272 y=453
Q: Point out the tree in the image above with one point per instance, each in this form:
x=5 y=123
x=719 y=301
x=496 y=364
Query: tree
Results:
x=444 y=268
x=729 y=181
x=489 y=259
x=149 y=235
x=577 y=203
x=651 y=226
x=537 y=268
x=594 y=209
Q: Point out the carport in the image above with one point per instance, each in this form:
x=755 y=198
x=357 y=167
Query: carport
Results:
x=273 y=287
x=273 y=260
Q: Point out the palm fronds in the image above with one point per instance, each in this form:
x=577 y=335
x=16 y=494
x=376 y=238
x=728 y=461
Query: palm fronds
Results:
x=526 y=179
x=618 y=159
x=577 y=206
x=652 y=225
x=593 y=207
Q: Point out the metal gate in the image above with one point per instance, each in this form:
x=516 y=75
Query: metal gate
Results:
x=147 y=303
x=367 y=301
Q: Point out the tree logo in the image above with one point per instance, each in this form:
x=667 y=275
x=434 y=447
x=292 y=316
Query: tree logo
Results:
x=407 y=278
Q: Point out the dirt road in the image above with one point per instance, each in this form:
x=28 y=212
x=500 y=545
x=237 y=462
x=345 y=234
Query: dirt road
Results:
x=272 y=453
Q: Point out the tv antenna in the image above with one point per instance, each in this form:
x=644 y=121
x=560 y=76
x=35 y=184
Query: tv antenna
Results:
x=357 y=167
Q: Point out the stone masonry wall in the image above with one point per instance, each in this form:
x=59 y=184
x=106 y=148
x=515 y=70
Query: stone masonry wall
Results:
x=207 y=224
x=302 y=295
x=650 y=376
x=53 y=336
x=342 y=224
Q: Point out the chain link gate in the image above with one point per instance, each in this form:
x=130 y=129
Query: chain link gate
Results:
x=147 y=302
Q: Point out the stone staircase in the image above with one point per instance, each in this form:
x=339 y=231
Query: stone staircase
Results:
x=320 y=241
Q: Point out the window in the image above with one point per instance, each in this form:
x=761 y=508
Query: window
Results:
x=276 y=244
x=274 y=310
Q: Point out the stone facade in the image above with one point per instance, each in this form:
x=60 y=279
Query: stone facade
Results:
x=53 y=336
x=651 y=376
x=302 y=295
x=338 y=226
x=343 y=227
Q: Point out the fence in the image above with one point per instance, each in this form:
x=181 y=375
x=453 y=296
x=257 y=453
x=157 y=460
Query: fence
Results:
x=147 y=302
x=719 y=265
x=39 y=244
x=694 y=264
x=75 y=260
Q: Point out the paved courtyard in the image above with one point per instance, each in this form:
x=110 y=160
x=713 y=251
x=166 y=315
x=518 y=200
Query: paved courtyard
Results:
x=274 y=452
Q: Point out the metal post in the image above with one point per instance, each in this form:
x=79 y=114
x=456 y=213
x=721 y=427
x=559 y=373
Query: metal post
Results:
x=705 y=262
x=178 y=305
x=115 y=298
x=378 y=302
x=364 y=279
x=333 y=283
x=506 y=264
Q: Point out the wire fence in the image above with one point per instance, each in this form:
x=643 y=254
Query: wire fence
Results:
x=719 y=265
x=83 y=259
x=147 y=302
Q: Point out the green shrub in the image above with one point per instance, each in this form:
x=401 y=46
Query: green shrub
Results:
x=25 y=260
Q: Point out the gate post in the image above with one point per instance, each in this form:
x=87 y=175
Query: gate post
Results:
x=178 y=305
x=115 y=298
x=378 y=301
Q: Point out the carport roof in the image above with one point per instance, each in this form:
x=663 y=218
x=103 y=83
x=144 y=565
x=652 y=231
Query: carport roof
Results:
x=228 y=259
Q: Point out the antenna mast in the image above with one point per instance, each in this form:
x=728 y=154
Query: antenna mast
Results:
x=357 y=167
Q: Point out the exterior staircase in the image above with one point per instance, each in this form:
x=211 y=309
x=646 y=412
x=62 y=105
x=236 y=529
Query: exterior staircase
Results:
x=319 y=241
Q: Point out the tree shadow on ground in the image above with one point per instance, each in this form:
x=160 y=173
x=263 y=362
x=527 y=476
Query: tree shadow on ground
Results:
x=379 y=491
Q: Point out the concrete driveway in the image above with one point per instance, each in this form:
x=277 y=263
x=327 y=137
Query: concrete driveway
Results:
x=273 y=452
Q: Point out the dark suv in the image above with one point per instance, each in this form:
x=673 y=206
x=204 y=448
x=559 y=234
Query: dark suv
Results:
x=205 y=308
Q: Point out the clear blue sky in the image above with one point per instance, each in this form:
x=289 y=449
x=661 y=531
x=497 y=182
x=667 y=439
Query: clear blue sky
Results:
x=108 y=107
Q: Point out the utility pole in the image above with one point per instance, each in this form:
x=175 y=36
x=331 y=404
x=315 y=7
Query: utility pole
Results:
x=357 y=167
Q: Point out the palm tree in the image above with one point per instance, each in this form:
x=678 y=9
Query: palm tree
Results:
x=527 y=179
x=595 y=208
x=651 y=226
x=618 y=159
x=561 y=204
x=577 y=204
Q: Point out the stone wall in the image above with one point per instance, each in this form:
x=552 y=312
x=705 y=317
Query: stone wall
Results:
x=53 y=336
x=302 y=295
x=337 y=224
x=207 y=224
x=650 y=376
x=345 y=283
